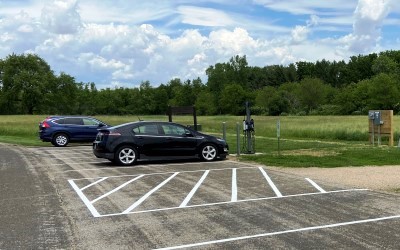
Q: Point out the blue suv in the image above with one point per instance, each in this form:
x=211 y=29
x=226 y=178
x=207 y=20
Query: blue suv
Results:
x=60 y=130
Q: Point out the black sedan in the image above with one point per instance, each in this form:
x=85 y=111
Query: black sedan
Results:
x=125 y=143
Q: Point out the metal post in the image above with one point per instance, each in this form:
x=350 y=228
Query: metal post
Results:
x=373 y=134
x=224 y=131
x=278 y=134
x=237 y=139
x=379 y=135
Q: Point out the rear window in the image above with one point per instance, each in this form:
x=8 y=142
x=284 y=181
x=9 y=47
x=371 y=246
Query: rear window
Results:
x=59 y=121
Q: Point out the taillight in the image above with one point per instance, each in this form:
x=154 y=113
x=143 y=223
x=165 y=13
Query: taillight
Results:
x=45 y=125
x=114 y=134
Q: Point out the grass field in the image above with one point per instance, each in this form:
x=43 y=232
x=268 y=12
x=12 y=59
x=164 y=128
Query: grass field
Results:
x=305 y=141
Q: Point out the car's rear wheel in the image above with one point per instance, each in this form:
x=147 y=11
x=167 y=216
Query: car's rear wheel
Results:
x=208 y=152
x=60 y=140
x=126 y=155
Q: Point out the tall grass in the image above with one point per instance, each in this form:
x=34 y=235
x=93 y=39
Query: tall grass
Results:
x=329 y=128
x=321 y=141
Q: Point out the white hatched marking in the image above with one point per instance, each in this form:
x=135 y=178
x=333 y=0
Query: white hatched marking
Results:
x=194 y=189
x=228 y=202
x=138 y=202
x=270 y=182
x=116 y=189
x=85 y=200
x=94 y=183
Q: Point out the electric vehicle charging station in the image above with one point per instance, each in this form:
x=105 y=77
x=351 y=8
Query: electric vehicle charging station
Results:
x=249 y=140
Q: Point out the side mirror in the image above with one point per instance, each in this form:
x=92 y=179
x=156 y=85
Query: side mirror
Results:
x=188 y=134
x=101 y=125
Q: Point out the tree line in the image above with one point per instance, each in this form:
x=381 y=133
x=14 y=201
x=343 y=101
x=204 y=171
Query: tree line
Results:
x=364 y=82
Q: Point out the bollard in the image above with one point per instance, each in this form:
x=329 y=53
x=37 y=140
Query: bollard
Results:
x=224 y=131
x=237 y=139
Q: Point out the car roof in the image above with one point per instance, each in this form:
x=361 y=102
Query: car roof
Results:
x=144 y=122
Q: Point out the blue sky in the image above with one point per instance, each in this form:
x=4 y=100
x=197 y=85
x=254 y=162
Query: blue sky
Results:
x=116 y=43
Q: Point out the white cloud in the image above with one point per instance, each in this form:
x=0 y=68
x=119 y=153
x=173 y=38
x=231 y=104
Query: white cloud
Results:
x=308 y=7
x=61 y=17
x=204 y=16
x=299 y=34
x=122 y=43
x=368 y=21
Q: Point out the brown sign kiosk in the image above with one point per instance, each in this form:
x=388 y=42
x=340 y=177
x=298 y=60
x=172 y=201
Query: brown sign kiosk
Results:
x=380 y=124
x=186 y=110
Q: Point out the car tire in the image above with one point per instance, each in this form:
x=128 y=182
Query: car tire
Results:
x=60 y=140
x=208 y=152
x=126 y=156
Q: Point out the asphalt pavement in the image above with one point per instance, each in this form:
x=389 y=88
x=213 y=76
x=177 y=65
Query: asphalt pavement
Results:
x=65 y=198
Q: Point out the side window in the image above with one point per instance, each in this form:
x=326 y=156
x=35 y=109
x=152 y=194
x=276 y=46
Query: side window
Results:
x=147 y=129
x=73 y=121
x=173 y=130
x=59 y=121
x=91 y=122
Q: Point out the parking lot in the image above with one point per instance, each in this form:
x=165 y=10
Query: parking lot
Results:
x=223 y=204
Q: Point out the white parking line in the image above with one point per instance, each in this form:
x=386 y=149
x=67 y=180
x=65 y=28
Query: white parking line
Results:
x=85 y=200
x=76 y=163
x=316 y=185
x=283 y=232
x=145 y=166
x=234 y=186
x=270 y=182
x=138 y=202
x=193 y=191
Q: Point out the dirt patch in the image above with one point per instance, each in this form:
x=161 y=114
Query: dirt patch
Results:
x=383 y=178
x=310 y=152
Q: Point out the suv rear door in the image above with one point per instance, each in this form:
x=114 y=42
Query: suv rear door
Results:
x=74 y=125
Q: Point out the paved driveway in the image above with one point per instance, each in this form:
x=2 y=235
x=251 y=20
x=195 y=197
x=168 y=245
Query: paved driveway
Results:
x=192 y=204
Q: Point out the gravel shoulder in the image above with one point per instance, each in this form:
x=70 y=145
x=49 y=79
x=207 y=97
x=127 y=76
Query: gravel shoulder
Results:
x=379 y=178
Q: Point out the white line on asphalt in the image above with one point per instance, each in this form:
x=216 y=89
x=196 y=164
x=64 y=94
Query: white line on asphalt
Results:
x=72 y=157
x=190 y=195
x=158 y=173
x=283 y=232
x=66 y=153
x=77 y=163
x=116 y=189
x=316 y=185
x=239 y=201
x=94 y=183
x=136 y=166
x=138 y=202
x=234 y=186
x=85 y=200
x=270 y=182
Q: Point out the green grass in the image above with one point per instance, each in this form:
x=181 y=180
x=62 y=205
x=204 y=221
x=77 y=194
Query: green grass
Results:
x=306 y=141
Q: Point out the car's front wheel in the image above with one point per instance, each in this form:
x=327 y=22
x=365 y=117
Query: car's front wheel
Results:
x=126 y=155
x=60 y=140
x=208 y=152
